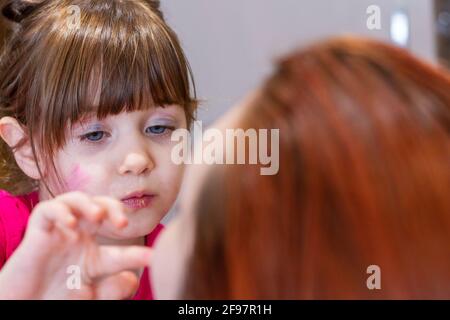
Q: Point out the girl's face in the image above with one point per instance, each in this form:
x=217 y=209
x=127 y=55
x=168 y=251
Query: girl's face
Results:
x=121 y=156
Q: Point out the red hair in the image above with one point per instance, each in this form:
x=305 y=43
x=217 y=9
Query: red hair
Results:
x=364 y=180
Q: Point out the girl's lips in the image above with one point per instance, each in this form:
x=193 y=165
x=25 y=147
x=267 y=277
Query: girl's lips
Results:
x=140 y=202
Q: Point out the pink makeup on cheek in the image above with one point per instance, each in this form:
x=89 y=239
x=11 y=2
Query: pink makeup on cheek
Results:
x=77 y=179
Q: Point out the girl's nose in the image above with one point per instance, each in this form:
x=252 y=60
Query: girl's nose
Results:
x=136 y=163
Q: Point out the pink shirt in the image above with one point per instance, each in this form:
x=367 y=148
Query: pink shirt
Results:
x=14 y=214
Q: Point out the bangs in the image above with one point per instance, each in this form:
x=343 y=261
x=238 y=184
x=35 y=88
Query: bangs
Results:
x=141 y=75
x=126 y=60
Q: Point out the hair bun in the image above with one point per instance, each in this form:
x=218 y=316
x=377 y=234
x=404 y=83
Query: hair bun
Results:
x=17 y=10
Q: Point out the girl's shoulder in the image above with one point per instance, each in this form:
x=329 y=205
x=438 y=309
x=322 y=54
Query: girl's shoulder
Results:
x=14 y=215
x=28 y=200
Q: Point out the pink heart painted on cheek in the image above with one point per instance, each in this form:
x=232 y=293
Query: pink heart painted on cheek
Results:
x=78 y=179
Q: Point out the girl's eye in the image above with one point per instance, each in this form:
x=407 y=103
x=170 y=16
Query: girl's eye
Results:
x=93 y=136
x=159 y=129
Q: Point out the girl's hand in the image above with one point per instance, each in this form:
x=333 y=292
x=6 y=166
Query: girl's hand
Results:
x=59 y=245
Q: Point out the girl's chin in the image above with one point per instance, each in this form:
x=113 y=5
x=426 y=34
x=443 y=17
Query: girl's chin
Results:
x=128 y=233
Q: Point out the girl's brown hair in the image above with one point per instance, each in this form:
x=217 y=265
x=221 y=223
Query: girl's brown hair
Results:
x=363 y=180
x=67 y=58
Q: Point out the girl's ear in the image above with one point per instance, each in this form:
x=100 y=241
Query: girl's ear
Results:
x=12 y=133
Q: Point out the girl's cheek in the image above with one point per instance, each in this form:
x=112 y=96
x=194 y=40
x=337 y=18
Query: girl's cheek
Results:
x=78 y=179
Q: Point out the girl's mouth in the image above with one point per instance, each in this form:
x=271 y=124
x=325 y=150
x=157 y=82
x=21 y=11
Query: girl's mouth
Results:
x=138 y=202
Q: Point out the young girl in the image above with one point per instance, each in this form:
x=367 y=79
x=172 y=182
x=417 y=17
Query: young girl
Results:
x=90 y=91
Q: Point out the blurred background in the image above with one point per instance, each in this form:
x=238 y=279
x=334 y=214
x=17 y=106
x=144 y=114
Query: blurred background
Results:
x=231 y=44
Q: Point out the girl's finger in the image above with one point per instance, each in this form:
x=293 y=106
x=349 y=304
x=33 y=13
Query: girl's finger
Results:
x=117 y=287
x=113 y=259
x=69 y=234
x=51 y=213
x=83 y=206
x=115 y=210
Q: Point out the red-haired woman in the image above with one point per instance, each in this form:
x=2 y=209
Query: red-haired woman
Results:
x=363 y=184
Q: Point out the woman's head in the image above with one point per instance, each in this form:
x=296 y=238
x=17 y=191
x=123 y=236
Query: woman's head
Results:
x=363 y=180
x=89 y=93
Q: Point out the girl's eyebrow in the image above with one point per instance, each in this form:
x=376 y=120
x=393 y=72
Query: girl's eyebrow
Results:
x=95 y=127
